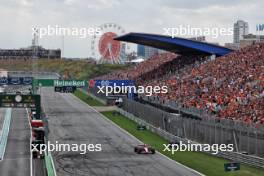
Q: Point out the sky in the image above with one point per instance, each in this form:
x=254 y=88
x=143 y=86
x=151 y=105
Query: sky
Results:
x=18 y=17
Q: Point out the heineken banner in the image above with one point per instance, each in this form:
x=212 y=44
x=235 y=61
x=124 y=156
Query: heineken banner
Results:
x=75 y=83
x=60 y=83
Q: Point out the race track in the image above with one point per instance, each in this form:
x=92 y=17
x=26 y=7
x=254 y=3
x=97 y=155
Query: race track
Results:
x=16 y=161
x=72 y=121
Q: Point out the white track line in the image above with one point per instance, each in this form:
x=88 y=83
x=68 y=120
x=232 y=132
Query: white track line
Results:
x=135 y=137
x=31 y=157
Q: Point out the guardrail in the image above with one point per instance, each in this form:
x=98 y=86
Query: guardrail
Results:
x=246 y=159
x=233 y=156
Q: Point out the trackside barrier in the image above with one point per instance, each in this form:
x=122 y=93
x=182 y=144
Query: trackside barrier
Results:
x=51 y=171
x=157 y=125
x=208 y=130
x=233 y=156
x=5 y=131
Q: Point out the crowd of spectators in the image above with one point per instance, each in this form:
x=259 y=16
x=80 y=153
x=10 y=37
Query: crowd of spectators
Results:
x=230 y=87
x=144 y=68
x=158 y=66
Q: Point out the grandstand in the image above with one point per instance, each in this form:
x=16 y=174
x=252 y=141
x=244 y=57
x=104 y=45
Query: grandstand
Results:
x=228 y=87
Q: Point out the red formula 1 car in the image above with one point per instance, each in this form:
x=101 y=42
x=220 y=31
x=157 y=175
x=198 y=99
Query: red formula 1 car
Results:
x=144 y=149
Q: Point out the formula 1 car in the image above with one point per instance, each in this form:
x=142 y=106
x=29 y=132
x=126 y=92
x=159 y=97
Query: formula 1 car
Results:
x=144 y=149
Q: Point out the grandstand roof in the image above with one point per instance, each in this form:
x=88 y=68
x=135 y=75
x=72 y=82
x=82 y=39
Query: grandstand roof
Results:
x=177 y=45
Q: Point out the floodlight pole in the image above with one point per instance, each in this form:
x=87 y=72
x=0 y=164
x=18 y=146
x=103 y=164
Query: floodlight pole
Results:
x=35 y=48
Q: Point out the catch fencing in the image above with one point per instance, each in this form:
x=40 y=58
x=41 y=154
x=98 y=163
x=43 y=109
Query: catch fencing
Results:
x=245 y=138
x=233 y=156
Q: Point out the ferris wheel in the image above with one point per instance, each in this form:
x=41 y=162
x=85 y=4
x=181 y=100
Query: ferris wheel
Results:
x=104 y=48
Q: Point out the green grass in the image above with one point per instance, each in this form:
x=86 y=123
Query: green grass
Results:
x=87 y=99
x=204 y=163
x=77 y=69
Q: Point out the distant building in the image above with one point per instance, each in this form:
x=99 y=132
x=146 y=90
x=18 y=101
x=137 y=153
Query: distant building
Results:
x=29 y=52
x=199 y=38
x=240 y=29
x=147 y=51
x=150 y=51
x=233 y=46
x=123 y=52
x=141 y=50
x=251 y=39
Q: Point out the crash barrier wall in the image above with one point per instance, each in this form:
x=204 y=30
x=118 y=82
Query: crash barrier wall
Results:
x=200 y=113
x=208 y=130
x=5 y=132
x=233 y=156
x=51 y=171
x=246 y=137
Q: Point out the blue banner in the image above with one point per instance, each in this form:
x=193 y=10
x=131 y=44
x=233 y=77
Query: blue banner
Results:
x=112 y=83
x=16 y=80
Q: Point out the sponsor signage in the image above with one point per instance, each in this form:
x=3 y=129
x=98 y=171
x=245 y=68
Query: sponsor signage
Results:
x=21 y=101
x=65 y=89
x=232 y=166
x=75 y=83
x=16 y=80
x=57 y=89
x=113 y=83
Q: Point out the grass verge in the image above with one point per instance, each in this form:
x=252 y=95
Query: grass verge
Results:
x=204 y=163
x=87 y=99
x=201 y=162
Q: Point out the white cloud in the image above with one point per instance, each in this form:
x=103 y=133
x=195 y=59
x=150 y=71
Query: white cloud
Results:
x=18 y=16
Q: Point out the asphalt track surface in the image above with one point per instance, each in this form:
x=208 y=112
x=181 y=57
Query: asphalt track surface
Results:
x=16 y=160
x=2 y=118
x=72 y=121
